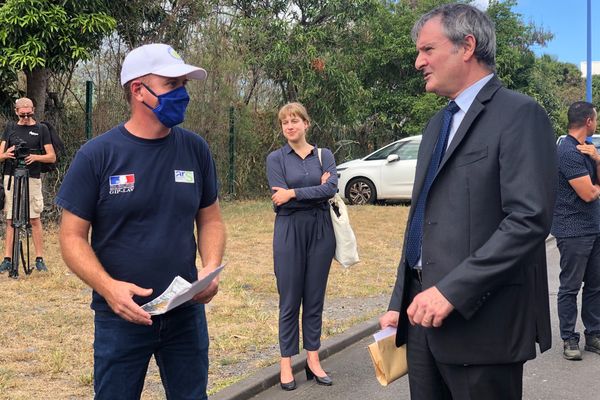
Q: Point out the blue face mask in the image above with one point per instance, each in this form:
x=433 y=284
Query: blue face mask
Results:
x=171 y=106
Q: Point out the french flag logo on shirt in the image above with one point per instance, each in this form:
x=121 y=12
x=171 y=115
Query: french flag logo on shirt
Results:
x=121 y=183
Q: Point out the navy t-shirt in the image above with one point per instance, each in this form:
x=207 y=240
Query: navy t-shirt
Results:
x=141 y=197
x=573 y=216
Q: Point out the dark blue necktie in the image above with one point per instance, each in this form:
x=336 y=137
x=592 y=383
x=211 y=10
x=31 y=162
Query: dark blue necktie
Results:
x=415 y=230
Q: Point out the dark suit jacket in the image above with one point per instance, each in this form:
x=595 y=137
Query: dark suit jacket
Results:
x=487 y=215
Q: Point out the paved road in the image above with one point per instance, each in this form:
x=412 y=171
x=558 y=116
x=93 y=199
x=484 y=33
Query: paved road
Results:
x=548 y=377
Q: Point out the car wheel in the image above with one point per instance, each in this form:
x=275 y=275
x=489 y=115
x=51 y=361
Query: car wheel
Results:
x=361 y=191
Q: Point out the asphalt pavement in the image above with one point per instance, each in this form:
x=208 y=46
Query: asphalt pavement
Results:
x=347 y=361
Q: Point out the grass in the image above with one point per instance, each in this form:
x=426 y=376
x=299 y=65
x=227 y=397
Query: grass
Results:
x=46 y=325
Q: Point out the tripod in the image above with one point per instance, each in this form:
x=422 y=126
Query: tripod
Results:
x=20 y=219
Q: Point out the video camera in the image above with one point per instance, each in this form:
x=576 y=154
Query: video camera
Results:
x=21 y=149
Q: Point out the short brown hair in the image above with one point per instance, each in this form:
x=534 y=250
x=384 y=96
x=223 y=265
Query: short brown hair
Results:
x=127 y=92
x=296 y=109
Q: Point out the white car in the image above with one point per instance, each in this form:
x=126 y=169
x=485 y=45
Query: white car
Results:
x=385 y=174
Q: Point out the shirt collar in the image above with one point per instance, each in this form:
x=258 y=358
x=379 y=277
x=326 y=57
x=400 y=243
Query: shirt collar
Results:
x=467 y=96
x=574 y=139
x=287 y=149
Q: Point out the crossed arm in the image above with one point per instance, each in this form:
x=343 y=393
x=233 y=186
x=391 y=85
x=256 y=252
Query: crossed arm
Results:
x=587 y=190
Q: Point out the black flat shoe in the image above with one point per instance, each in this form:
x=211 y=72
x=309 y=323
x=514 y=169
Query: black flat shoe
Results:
x=288 y=386
x=321 y=380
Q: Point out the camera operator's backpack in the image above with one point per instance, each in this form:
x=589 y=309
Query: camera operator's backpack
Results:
x=57 y=143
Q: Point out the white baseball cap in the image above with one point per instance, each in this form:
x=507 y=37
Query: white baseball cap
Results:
x=158 y=59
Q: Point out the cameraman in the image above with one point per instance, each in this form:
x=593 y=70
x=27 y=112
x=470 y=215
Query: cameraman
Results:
x=27 y=133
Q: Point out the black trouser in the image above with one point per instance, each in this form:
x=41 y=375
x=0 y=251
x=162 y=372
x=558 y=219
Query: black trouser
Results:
x=432 y=380
x=579 y=262
x=303 y=248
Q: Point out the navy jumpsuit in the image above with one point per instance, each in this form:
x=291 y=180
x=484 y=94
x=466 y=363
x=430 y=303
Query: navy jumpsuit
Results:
x=303 y=243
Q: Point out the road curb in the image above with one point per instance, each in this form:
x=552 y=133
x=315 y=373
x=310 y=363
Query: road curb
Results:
x=269 y=376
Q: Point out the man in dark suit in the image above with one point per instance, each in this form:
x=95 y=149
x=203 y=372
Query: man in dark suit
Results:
x=471 y=294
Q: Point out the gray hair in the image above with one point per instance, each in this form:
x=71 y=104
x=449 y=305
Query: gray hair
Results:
x=460 y=20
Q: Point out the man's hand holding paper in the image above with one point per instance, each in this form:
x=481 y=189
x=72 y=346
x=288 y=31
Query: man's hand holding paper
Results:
x=390 y=318
x=181 y=291
x=211 y=290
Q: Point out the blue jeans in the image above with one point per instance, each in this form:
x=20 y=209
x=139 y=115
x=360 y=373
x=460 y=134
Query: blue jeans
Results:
x=122 y=350
x=579 y=262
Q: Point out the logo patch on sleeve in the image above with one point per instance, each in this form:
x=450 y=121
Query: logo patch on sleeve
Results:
x=184 y=176
x=121 y=183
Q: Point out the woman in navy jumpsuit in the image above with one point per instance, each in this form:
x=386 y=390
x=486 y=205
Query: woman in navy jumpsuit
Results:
x=303 y=239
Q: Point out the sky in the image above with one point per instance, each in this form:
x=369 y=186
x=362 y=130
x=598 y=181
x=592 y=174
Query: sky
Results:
x=567 y=20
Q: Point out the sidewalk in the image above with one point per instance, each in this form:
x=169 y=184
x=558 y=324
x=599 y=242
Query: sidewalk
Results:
x=548 y=377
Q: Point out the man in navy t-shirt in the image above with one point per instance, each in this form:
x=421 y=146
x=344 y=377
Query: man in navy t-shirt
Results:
x=143 y=188
x=576 y=226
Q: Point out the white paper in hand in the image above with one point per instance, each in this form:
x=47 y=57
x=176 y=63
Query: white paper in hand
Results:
x=389 y=331
x=178 y=292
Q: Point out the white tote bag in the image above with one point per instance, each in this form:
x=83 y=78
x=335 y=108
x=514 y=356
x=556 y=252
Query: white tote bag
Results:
x=346 y=249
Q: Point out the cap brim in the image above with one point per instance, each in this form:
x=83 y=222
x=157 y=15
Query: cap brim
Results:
x=189 y=71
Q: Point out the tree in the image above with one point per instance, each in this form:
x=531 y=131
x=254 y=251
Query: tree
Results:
x=397 y=105
x=300 y=47
x=555 y=85
x=8 y=87
x=39 y=37
x=596 y=91
x=163 y=21
x=350 y=62
x=514 y=39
